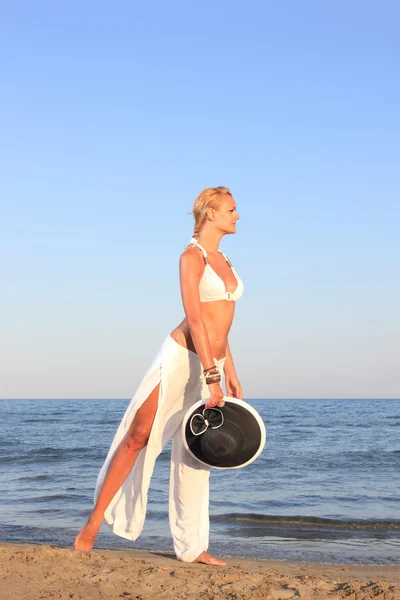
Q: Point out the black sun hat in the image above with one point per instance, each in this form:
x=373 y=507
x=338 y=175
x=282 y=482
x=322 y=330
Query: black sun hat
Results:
x=227 y=437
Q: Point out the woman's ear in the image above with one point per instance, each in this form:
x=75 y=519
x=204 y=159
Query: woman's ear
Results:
x=210 y=214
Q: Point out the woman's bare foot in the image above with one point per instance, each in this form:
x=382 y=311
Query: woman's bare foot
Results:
x=85 y=538
x=208 y=559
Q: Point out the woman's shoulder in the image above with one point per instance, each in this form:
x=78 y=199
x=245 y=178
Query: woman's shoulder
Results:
x=191 y=257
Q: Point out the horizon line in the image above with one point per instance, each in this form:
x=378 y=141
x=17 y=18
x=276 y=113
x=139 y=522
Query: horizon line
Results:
x=249 y=398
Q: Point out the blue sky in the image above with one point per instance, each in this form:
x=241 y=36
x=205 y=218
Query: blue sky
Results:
x=115 y=115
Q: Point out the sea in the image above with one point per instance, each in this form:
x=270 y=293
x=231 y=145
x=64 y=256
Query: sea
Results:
x=326 y=487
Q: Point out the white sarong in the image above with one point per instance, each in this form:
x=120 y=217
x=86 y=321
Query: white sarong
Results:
x=180 y=373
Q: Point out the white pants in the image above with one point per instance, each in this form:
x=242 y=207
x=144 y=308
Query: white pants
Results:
x=180 y=374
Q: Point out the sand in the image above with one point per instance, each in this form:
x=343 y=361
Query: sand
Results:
x=34 y=572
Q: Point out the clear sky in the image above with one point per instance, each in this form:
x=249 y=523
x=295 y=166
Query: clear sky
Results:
x=114 y=116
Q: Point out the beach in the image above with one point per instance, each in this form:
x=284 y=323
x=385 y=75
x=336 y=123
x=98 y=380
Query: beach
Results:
x=35 y=572
x=317 y=519
x=325 y=488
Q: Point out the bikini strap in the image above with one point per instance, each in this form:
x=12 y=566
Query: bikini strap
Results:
x=194 y=242
x=227 y=259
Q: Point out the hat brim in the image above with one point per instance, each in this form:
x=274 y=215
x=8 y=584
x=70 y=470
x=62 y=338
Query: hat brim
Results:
x=238 y=413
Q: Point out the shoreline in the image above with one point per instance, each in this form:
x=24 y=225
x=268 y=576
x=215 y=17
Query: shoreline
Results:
x=30 y=572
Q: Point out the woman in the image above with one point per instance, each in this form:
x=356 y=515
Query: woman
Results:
x=187 y=368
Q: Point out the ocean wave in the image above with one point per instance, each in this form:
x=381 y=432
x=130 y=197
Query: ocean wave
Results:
x=49 y=454
x=34 y=478
x=43 y=420
x=310 y=523
x=50 y=498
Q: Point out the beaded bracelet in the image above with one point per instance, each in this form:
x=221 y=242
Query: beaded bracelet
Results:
x=213 y=376
x=214 y=380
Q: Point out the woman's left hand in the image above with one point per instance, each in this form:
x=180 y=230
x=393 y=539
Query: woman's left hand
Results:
x=233 y=387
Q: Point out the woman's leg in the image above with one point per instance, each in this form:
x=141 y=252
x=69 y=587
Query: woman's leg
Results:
x=188 y=506
x=189 y=487
x=120 y=466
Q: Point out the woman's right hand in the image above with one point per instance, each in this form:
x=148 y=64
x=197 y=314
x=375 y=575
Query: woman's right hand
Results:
x=216 y=396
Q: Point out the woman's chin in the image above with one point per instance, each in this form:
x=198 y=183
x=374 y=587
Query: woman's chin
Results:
x=230 y=231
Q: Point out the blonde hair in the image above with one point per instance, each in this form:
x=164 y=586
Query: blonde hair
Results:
x=208 y=198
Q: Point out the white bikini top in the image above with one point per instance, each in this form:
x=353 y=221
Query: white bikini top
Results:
x=211 y=286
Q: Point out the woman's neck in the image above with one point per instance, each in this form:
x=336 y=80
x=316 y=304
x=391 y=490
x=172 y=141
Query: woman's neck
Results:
x=210 y=241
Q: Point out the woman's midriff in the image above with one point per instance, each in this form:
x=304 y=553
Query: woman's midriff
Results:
x=217 y=317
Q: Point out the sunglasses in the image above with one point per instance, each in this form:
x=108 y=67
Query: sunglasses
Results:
x=210 y=417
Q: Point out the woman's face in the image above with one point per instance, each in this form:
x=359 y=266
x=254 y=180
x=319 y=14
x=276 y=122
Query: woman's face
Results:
x=225 y=216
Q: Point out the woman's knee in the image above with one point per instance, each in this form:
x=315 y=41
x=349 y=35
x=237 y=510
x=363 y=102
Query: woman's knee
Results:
x=138 y=437
x=139 y=432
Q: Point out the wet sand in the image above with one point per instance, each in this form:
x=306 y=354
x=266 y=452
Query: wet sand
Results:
x=29 y=572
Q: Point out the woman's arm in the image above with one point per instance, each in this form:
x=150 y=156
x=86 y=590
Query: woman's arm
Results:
x=229 y=367
x=233 y=387
x=190 y=271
